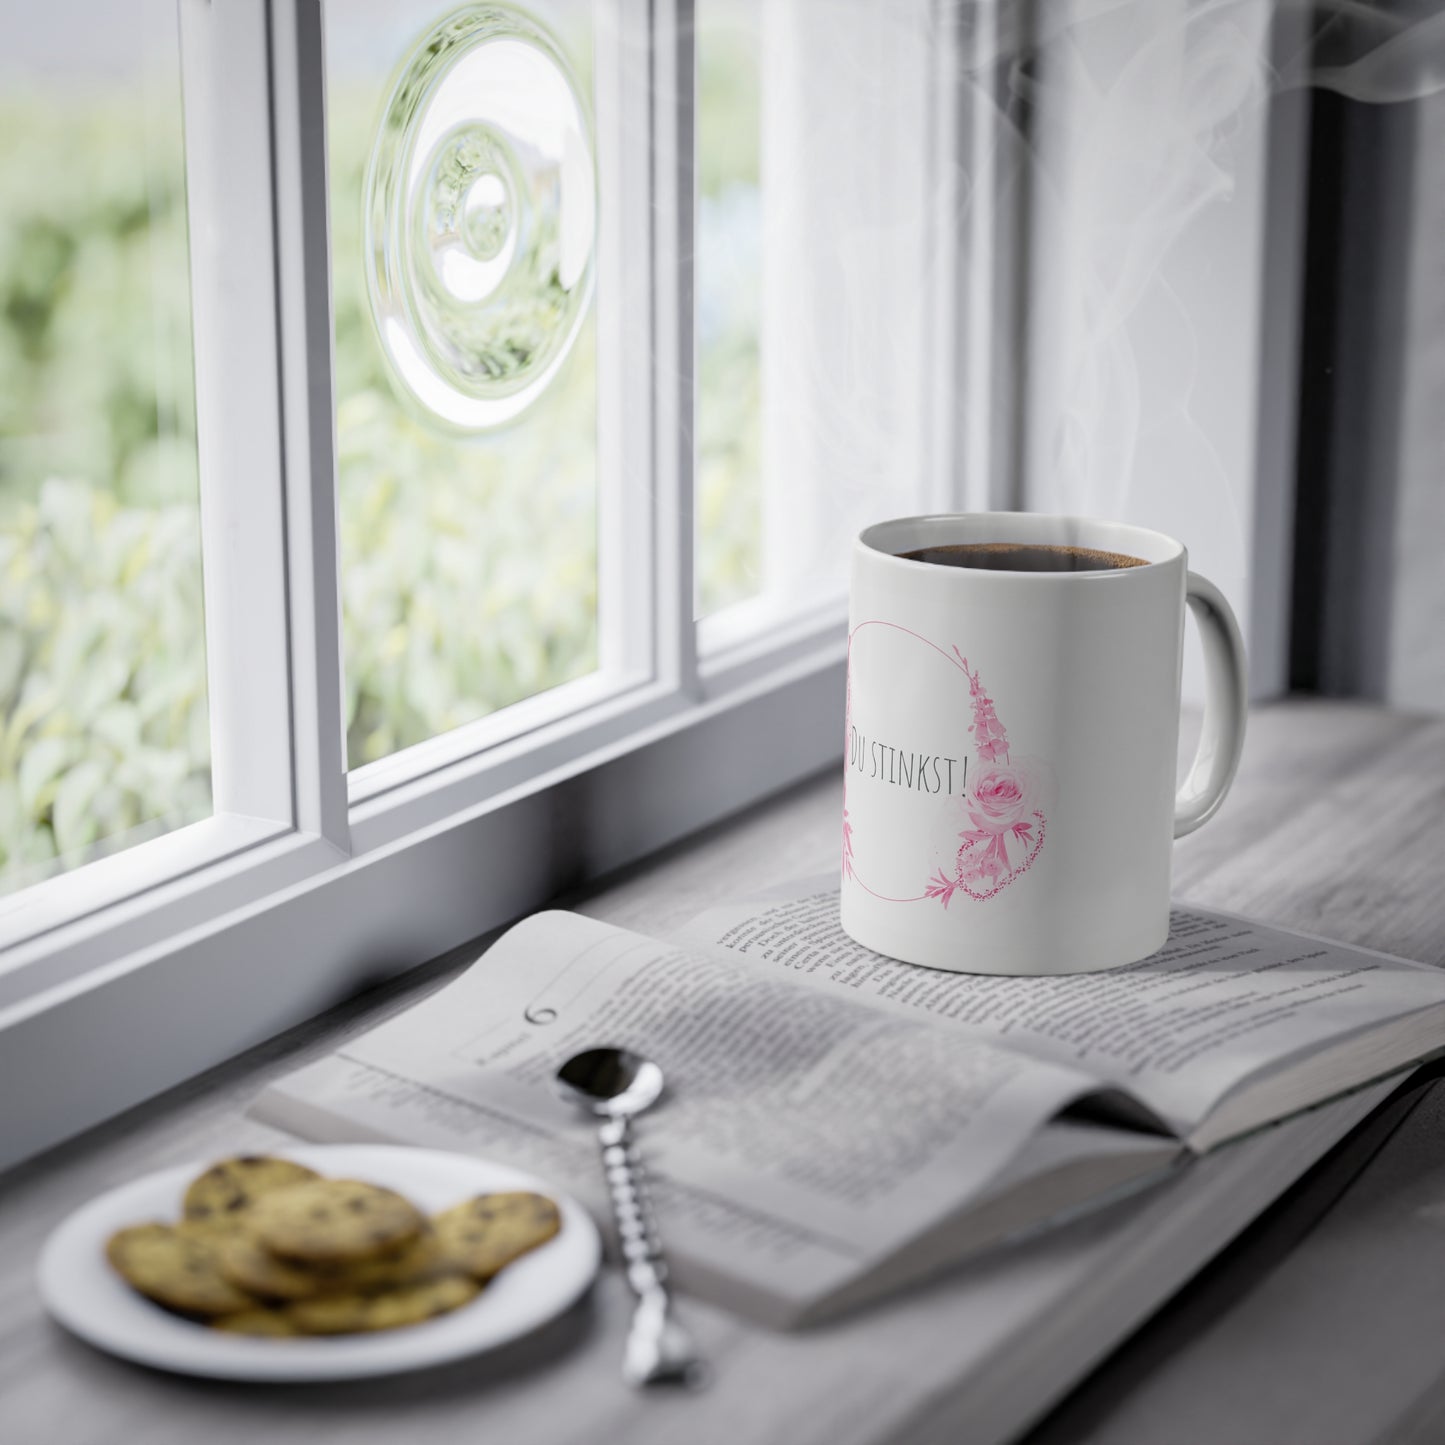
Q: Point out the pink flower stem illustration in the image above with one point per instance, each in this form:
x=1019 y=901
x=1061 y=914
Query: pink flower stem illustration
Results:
x=998 y=802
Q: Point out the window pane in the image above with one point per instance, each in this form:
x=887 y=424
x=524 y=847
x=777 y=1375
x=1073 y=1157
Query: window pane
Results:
x=102 y=649
x=728 y=505
x=463 y=218
x=818 y=318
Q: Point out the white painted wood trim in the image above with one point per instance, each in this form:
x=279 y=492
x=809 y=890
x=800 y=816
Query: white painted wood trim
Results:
x=419 y=798
x=990 y=265
x=627 y=527
x=748 y=639
x=237 y=863
x=226 y=88
x=95 y=1044
x=475 y=743
x=49 y=906
x=308 y=418
x=674 y=367
x=945 y=414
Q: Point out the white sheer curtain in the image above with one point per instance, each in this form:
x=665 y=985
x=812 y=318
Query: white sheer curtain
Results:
x=851 y=326
x=1147 y=299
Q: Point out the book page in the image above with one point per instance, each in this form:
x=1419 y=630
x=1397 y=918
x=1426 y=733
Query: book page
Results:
x=801 y=1134
x=1222 y=1002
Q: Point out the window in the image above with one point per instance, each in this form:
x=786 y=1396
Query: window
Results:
x=106 y=740
x=466 y=469
x=729 y=484
x=502 y=461
x=429 y=648
x=828 y=224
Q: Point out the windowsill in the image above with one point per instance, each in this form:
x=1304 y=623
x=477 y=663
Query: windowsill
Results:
x=65 y=898
x=186 y=985
x=1306 y=816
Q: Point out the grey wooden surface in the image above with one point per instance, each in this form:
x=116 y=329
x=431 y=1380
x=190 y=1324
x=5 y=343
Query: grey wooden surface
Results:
x=1335 y=1332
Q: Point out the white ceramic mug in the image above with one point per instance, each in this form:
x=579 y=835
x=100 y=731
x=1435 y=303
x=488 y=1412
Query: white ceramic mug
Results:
x=1011 y=742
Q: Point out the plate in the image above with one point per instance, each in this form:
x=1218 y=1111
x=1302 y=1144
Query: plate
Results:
x=84 y=1294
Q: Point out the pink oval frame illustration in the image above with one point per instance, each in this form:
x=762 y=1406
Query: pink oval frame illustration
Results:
x=1006 y=831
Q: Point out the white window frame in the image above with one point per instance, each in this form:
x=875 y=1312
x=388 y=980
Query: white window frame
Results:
x=133 y=973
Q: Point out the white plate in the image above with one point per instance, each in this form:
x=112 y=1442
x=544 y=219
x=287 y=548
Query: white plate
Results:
x=84 y=1294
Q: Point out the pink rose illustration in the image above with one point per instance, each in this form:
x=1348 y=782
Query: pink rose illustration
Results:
x=1001 y=804
x=998 y=795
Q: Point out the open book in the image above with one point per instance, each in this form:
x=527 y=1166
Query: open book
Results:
x=837 y=1124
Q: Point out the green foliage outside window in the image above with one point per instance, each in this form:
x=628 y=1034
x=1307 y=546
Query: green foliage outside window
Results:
x=103 y=728
x=451 y=609
x=469 y=566
x=729 y=285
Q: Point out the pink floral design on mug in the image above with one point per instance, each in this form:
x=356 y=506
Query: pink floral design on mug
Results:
x=1011 y=802
x=1005 y=827
x=998 y=806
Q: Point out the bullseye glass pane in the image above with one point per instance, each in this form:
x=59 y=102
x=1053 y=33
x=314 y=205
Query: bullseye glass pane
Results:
x=104 y=736
x=464 y=217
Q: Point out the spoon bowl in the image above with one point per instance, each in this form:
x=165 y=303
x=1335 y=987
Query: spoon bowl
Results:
x=610 y=1083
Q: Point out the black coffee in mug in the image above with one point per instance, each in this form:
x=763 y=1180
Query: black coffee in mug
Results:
x=1022 y=557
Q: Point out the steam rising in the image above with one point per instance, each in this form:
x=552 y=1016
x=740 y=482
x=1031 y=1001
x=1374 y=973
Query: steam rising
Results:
x=1137 y=130
x=1143 y=113
x=1148 y=117
x=1372 y=54
x=1364 y=49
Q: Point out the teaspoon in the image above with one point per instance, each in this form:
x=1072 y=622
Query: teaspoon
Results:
x=613 y=1085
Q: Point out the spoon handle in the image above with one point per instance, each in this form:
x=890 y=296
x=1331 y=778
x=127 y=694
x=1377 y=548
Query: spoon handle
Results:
x=659 y=1350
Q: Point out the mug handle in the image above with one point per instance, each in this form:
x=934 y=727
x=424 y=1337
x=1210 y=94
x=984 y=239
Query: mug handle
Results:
x=1222 y=740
